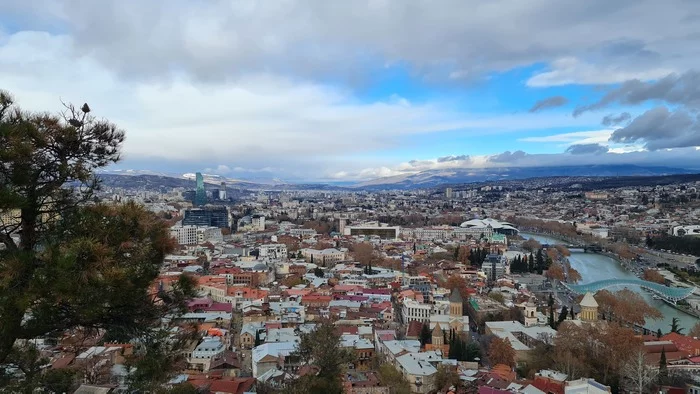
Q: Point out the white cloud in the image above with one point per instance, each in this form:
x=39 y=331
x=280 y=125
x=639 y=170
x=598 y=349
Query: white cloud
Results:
x=457 y=39
x=255 y=121
x=570 y=70
x=574 y=138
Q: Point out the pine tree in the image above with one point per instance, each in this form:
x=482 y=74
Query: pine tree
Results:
x=663 y=368
x=531 y=263
x=71 y=255
x=258 y=342
x=551 y=311
x=562 y=316
x=425 y=335
x=539 y=261
x=659 y=334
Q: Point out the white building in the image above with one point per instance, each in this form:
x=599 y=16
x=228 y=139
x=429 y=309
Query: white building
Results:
x=209 y=234
x=271 y=355
x=191 y=235
x=275 y=251
x=685 y=230
x=495 y=266
x=184 y=235
x=201 y=356
x=373 y=229
x=302 y=232
x=258 y=223
x=585 y=386
x=419 y=369
x=323 y=257
x=416 y=311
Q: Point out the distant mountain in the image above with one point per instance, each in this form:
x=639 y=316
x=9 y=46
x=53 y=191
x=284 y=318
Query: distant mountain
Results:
x=135 y=180
x=432 y=178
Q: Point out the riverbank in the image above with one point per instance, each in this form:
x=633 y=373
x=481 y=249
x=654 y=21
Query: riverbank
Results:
x=594 y=267
x=624 y=263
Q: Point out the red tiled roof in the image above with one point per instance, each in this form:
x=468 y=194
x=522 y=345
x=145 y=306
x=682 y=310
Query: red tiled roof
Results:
x=548 y=385
x=686 y=344
x=414 y=328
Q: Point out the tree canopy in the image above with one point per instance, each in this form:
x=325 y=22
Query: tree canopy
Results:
x=74 y=264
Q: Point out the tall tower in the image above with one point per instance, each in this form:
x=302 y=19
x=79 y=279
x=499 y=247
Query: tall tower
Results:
x=222 y=191
x=456 y=303
x=341 y=226
x=438 y=339
x=200 y=198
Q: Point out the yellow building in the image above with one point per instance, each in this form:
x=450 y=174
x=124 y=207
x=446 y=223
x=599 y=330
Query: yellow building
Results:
x=589 y=308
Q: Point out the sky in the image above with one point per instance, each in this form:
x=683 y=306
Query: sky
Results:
x=342 y=91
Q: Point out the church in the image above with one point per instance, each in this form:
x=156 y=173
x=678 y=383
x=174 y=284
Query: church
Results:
x=454 y=319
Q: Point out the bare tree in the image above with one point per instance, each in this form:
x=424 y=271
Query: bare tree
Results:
x=638 y=373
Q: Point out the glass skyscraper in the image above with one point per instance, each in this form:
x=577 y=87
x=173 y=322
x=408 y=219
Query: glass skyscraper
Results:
x=200 y=198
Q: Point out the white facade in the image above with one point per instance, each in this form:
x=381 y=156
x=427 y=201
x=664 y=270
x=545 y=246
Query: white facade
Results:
x=192 y=235
x=209 y=234
x=184 y=235
x=686 y=230
x=277 y=251
x=416 y=311
x=324 y=256
x=302 y=232
x=210 y=347
x=259 y=223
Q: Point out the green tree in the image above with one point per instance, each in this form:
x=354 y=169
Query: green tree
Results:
x=663 y=368
x=562 y=315
x=472 y=351
x=425 y=334
x=71 y=255
x=675 y=326
x=318 y=272
x=258 y=342
x=659 y=334
x=59 y=380
x=550 y=303
x=445 y=377
x=321 y=349
x=539 y=261
x=391 y=377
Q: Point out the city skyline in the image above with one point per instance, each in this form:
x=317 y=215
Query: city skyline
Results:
x=352 y=92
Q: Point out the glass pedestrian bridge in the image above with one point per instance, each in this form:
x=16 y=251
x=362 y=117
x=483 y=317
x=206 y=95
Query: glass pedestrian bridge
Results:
x=671 y=294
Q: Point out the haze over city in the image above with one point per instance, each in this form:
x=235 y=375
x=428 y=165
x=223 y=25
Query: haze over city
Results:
x=352 y=91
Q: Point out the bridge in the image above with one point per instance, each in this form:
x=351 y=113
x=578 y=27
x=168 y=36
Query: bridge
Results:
x=579 y=247
x=670 y=294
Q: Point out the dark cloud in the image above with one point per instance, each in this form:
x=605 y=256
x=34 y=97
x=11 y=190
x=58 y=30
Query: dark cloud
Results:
x=660 y=128
x=508 y=157
x=550 y=102
x=587 y=149
x=614 y=120
x=452 y=158
x=677 y=89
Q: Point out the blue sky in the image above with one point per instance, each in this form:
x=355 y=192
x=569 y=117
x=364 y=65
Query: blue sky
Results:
x=350 y=91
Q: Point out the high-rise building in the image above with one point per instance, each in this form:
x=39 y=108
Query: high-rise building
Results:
x=189 y=195
x=201 y=195
x=222 y=191
x=209 y=216
x=448 y=192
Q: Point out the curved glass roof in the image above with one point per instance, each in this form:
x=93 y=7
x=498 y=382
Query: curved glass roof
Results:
x=670 y=293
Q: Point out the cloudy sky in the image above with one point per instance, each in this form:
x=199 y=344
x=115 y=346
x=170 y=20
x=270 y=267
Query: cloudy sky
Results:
x=353 y=90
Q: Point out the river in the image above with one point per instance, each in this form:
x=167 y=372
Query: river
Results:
x=594 y=267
